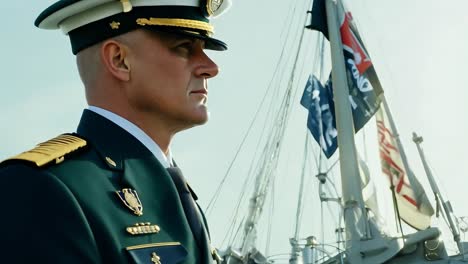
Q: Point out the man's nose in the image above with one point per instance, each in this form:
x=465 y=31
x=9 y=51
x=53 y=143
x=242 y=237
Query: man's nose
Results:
x=207 y=68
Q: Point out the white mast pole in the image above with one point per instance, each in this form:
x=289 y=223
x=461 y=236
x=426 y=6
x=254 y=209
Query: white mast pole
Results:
x=354 y=211
x=396 y=135
x=447 y=207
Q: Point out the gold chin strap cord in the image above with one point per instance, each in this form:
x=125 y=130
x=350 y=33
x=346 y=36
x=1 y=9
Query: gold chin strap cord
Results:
x=176 y=22
x=126 y=5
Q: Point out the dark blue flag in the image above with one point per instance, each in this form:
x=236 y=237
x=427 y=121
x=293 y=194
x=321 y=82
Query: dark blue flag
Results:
x=321 y=119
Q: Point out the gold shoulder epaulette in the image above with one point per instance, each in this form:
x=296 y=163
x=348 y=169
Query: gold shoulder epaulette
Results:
x=52 y=150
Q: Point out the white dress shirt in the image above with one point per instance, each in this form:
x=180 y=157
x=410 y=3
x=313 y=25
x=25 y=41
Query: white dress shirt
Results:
x=139 y=134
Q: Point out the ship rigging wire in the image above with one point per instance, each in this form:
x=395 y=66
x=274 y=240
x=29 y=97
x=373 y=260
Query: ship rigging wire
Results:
x=268 y=90
x=265 y=166
x=275 y=133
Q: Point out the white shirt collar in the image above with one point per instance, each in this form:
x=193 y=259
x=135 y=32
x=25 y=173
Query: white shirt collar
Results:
x=139 y=134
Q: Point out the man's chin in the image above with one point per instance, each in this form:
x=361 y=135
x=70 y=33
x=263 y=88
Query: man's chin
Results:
x=202 y=115
x=201 y=120
x=196 y=121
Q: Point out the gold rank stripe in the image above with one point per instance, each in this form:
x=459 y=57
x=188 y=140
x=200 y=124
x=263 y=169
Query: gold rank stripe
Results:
x=54 y=149
x=164 y=244
x=176 y=22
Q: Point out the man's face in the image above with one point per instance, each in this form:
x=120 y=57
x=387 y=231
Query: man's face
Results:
x=168 y=77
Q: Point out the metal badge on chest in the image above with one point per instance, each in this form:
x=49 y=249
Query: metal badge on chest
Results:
x=131 y=200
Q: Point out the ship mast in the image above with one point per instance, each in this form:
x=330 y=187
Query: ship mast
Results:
x=447 y=207
x=354 y=212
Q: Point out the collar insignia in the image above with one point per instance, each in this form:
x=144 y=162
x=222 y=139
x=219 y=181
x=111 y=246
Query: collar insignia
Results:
x=130 y=198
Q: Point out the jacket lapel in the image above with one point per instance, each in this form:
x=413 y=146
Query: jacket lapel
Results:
x=137 y=168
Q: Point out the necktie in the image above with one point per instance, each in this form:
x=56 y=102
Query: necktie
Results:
x=188 y=203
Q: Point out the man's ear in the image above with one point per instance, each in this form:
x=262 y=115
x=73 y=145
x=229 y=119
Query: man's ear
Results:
x=114 y=56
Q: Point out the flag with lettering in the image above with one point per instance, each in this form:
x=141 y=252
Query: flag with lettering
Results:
x=365 y=90
x=321 y=118
x=413 y=204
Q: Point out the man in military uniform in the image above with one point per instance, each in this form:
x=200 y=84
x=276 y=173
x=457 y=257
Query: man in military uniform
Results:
x=111 y=193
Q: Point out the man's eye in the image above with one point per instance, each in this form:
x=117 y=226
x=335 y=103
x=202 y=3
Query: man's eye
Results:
x=185 y=48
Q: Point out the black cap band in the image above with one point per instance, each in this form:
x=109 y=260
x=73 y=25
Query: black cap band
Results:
x=121 y=23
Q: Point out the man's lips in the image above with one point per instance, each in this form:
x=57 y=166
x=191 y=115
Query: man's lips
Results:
x=201 y=91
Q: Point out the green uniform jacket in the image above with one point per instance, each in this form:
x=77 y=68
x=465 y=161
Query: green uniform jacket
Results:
x=70 y=212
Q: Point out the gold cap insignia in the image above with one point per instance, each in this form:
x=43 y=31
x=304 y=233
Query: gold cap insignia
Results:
x=213 y=5
x=130 y=198
x=126 y=6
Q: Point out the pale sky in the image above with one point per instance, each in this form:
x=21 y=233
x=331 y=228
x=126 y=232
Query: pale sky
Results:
x=418 y=48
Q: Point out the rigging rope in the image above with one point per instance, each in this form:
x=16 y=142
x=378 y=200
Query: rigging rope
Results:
x=270 y=225
x=214 y=198
x=266 y=173
x=268 y=90
x=301 y=189
x=267 y=163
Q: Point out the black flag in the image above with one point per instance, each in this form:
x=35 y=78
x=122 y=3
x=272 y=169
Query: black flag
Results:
x=318 y=20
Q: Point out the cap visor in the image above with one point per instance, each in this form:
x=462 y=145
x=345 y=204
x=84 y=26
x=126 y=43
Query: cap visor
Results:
x=210 y=43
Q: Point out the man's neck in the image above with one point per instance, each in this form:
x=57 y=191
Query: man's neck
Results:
x=158 y=144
